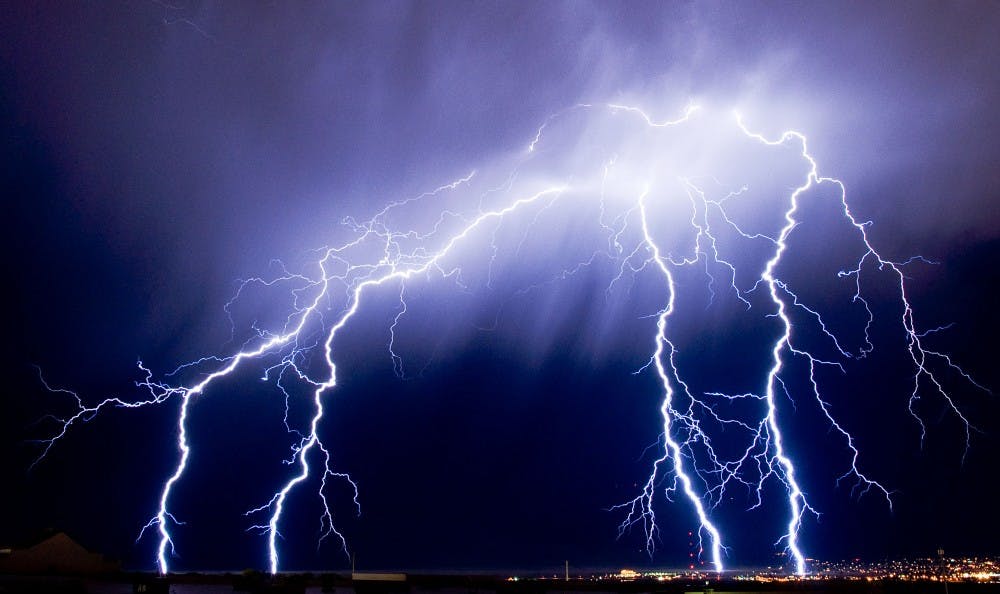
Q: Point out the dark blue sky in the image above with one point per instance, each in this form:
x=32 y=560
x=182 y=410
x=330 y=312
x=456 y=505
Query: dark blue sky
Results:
x=155 y=153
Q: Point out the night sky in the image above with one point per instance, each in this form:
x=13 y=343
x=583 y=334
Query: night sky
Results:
x=156 y=153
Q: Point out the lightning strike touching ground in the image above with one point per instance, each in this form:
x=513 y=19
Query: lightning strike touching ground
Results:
x=662 y=202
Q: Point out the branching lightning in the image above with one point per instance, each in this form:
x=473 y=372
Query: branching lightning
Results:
x=691 y=463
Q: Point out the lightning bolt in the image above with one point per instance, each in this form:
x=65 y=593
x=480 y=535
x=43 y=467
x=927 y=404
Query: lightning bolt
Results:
x=690 y=464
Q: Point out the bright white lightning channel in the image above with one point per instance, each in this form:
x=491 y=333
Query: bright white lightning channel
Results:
x=689 y=464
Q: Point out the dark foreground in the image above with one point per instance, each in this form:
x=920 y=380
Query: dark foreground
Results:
x=253 y=583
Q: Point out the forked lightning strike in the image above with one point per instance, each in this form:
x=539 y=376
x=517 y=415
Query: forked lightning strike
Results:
x=690 y=463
